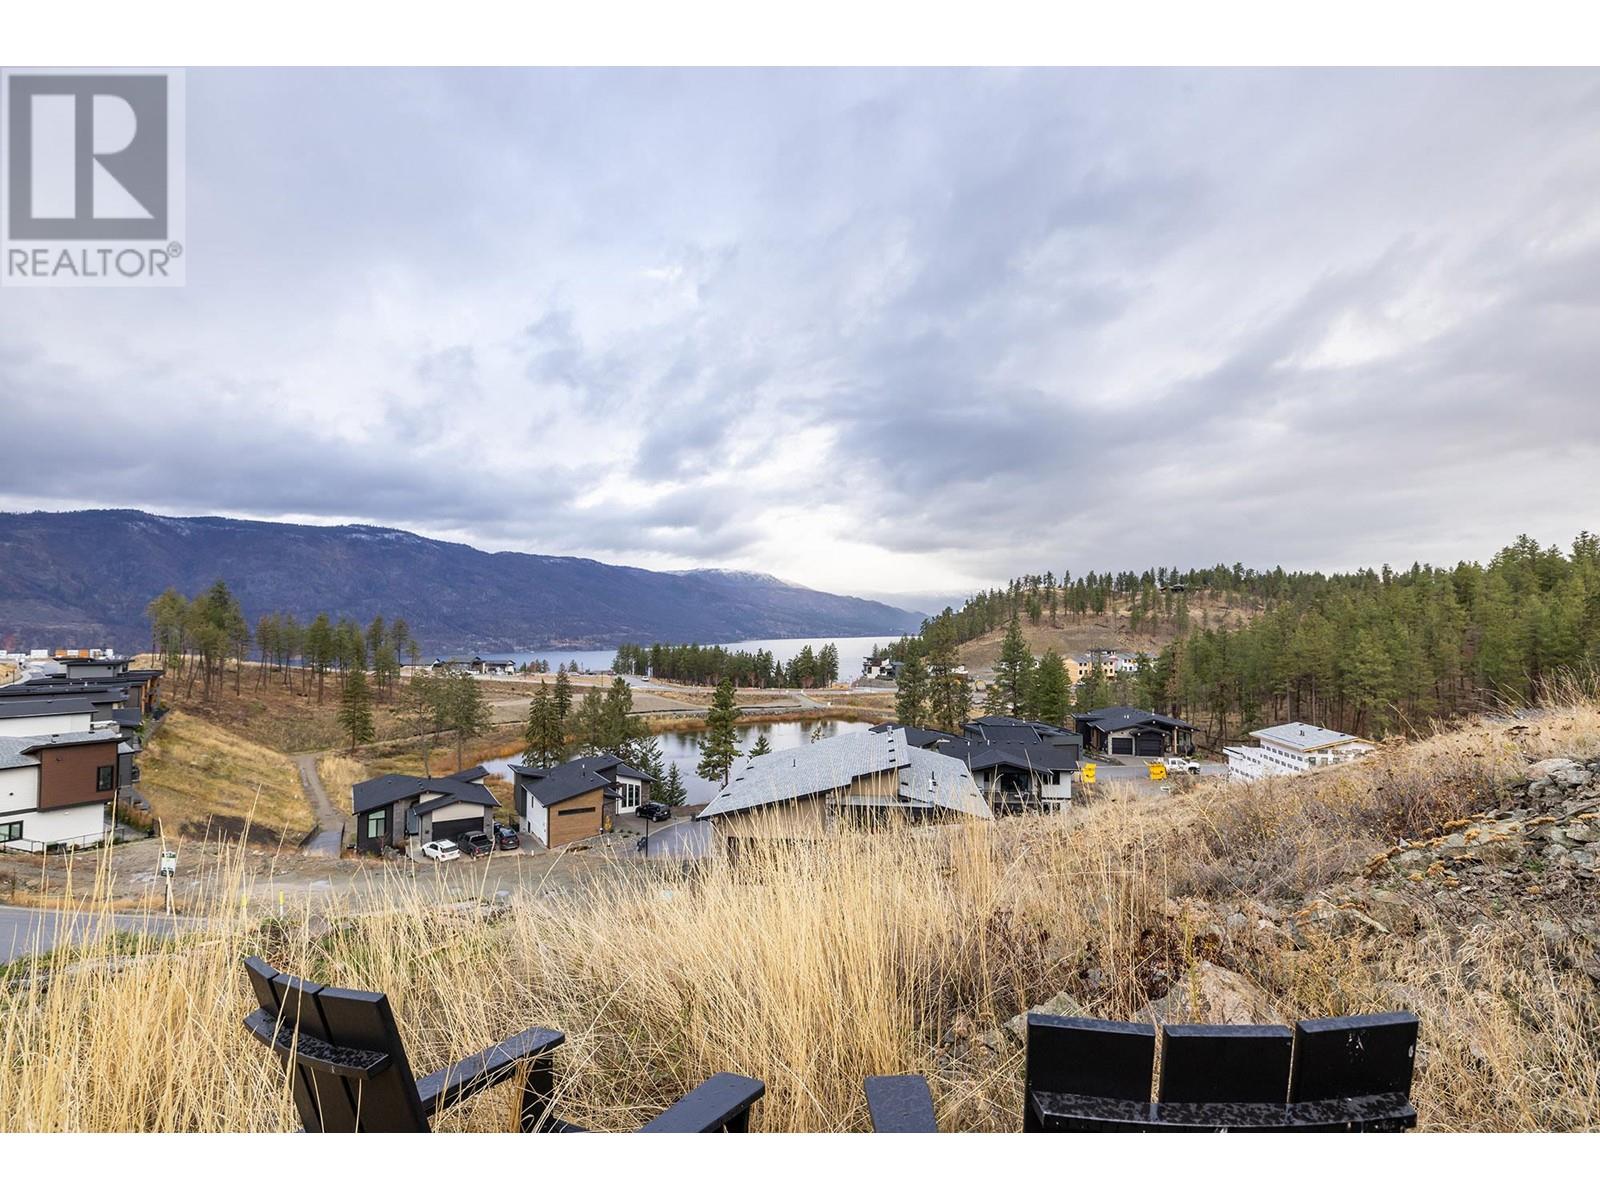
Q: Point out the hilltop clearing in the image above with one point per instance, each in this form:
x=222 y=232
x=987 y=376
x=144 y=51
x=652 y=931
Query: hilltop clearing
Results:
x=1451 y=875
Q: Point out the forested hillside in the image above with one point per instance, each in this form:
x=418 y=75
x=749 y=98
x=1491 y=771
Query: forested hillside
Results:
x=1368 y=651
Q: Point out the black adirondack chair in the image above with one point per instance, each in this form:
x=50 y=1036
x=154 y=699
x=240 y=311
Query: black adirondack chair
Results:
x=900 y=1104
x=1346 y=1074
x=351 y=1074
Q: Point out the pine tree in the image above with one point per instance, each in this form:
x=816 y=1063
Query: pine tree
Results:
x=719 y=749
x=355 y=708
x=911 y=691
x=466 y=713
x=645 y=756
x=949 y=692
x=761 y=747
x=1051 y=697
x=673 y=792
x=546 y=741
x=563 y=696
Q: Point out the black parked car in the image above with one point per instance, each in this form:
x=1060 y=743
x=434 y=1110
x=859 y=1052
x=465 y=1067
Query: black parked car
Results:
x=650 y=810
x=474 y=845
x=505 y=838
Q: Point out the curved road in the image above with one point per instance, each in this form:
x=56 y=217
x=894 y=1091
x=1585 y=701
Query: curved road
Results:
x=27 y=931
x=328 y=838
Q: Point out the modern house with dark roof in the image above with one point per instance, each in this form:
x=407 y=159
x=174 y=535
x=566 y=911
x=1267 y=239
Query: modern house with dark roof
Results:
x=56 y=788
x=25 y=713
x=1134 y=732
x=860 y=778
x=405 y=811
x=1015 y=764
x=576 y=800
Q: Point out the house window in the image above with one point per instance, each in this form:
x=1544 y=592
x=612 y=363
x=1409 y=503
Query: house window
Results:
x=629 y=799
x=11 y=831
x=105 y=778
x=377 y=824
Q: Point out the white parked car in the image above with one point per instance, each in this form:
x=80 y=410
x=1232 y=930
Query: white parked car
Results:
x=1182 y=765
x=443 y=851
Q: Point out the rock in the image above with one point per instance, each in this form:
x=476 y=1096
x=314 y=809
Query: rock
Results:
x=1062 y=1004
x=1236 y=922
x=1553 y=933
x=1392 y=910
x=1212 y=995
x=1548 y=766
x=1581 y=831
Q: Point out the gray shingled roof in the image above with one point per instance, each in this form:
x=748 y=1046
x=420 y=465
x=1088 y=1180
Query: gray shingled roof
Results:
x=555 y=784
x=1305 y=737
x=17 y=751
x=925 y=778
x=31 y=705
x=387 y=789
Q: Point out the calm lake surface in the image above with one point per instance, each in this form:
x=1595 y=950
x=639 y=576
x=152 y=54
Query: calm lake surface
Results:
x=851 y=651
x=684 y=748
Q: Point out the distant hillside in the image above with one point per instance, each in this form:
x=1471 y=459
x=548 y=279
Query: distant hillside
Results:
x=84 y=578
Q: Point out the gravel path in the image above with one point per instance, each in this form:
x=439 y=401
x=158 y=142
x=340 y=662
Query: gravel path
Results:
x=328 y=838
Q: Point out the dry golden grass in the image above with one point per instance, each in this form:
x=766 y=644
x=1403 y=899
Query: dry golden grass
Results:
x=859 y=954
x=199 y=777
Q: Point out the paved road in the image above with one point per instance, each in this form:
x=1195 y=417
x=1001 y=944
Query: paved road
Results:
x=328 y=839
x=25 y=931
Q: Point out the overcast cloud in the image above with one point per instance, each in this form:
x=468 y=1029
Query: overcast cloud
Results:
x=876 y=332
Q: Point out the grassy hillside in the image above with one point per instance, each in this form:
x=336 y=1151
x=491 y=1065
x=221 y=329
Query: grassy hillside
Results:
x=911 y=951
x=201 y=777
x=1071 y=633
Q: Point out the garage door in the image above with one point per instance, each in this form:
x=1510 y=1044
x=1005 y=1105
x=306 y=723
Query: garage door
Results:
x=1150 y=744
x=1122 y=745
x=449 y=830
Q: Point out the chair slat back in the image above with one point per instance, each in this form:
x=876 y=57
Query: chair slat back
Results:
x=1338 y=1058
x=1225 y=1064
x=346 y=1020
x=1110 y=1059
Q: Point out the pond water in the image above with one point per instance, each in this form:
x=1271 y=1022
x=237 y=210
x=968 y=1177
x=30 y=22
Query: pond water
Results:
x=851 y=651
x=684 y=749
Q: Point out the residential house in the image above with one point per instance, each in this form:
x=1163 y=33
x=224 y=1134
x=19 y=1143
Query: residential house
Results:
x=24 y=714
x=1015 y=764
x=857 y=778
x=1112 y=662
x=1292 y=749
x=1134 y=732
x=56 y=789
x=477 y=665
x=578 y=799
x=404 y=811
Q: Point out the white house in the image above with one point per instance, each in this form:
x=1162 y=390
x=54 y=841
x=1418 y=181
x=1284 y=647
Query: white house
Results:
x=56 y=788
x=1291 y=749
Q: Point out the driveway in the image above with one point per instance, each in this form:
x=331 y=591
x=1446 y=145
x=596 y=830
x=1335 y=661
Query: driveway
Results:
x=687 y=838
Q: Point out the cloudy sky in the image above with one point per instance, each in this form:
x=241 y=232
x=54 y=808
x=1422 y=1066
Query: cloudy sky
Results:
x=878 y=332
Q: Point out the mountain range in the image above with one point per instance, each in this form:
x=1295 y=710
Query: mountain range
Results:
x=84 y=579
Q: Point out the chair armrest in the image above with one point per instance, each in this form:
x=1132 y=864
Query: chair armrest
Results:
x=900 y=1104
x=485 y=1069
x=720 y=1104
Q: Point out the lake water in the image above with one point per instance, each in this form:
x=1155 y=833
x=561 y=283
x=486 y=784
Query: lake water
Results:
x=851 y=651
x=684 y=748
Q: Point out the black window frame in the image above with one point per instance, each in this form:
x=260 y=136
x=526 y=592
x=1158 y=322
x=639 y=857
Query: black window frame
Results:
x=12 y=837
x=380 y=816
x=105 y=779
